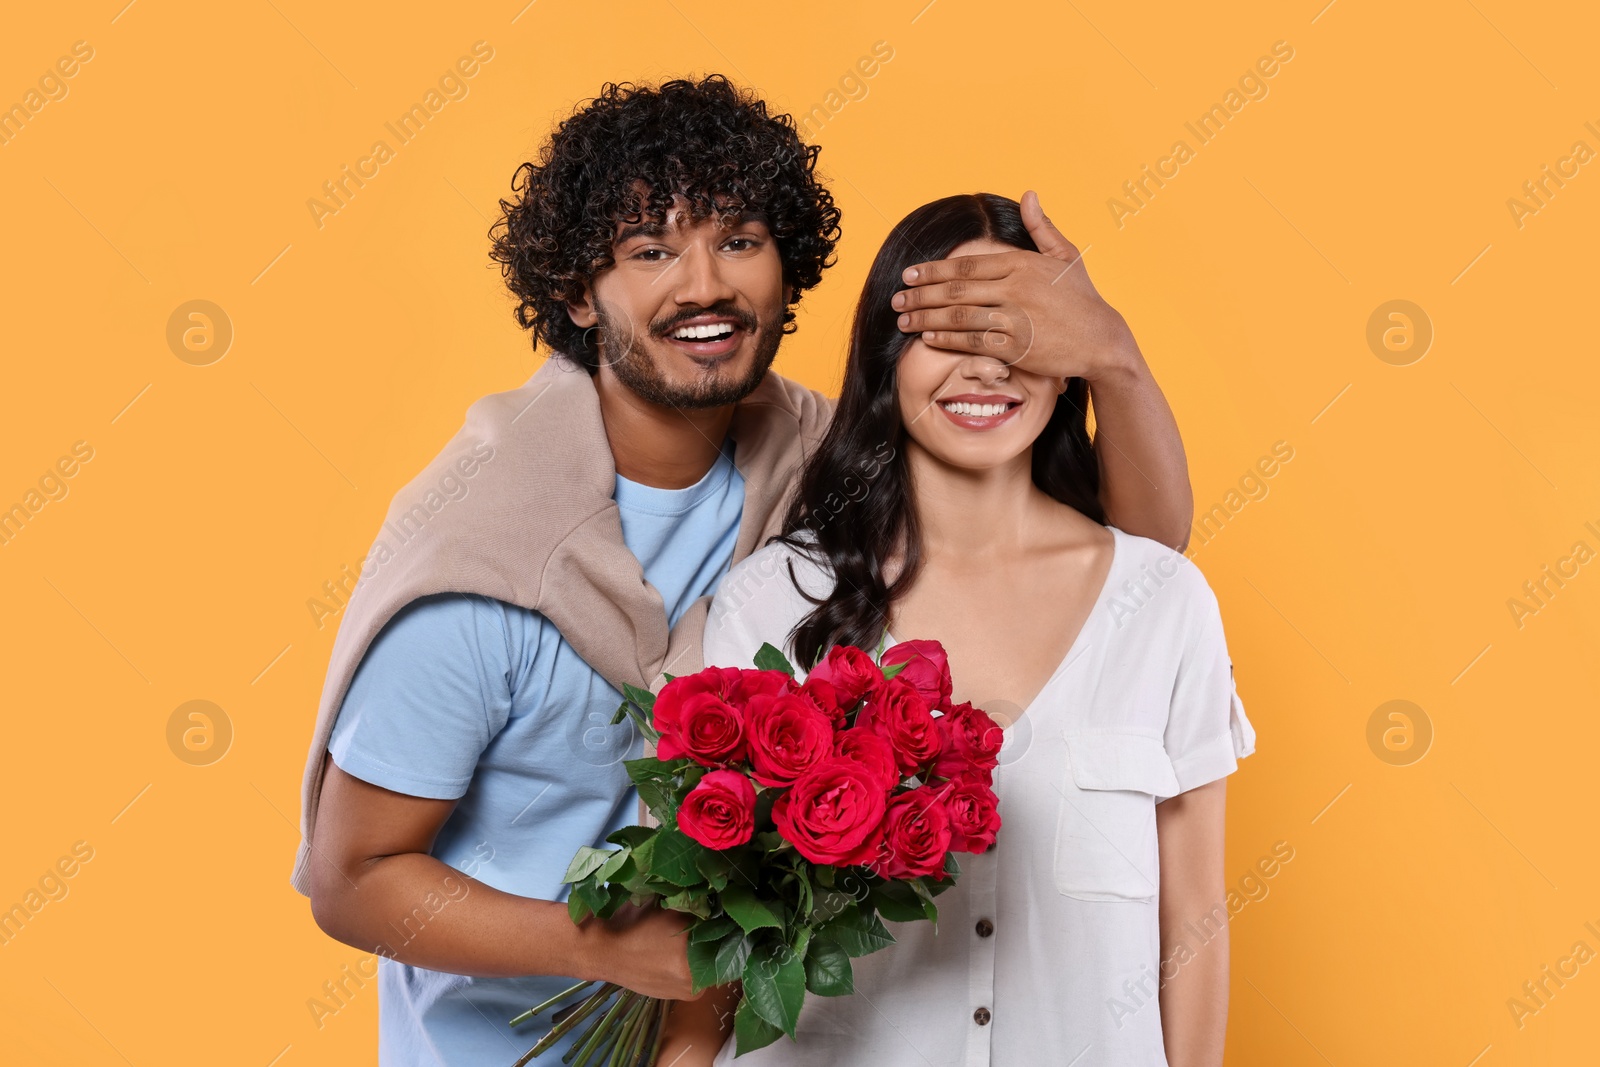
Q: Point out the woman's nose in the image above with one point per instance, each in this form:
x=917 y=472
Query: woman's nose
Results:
x=988 y=370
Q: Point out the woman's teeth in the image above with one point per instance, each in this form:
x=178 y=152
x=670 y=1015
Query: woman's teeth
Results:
x=710 y=331
x=963 y=408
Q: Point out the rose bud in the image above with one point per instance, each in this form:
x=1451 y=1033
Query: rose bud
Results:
x=926 y=667
x=709 y=731
x=850 y=671
x=869 y=747
x=974 y=815
x=787 y=736
x=719 y=811
x=825 y=698
x=970 y=740
x=916 y=834
x=761 y=683
x=899 y=712
x=831 y=811
x=719 y=681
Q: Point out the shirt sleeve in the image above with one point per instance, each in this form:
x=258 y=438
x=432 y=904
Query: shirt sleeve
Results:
x=1207 y=730
x=431 y=692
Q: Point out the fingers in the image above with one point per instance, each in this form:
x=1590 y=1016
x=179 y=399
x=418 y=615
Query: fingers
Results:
x=957 y=317
x=940 y=294
x=1051 y=241
x=996 y=343
x=990 y=265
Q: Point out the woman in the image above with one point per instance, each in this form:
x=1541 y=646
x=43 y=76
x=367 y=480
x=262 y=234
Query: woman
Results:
x=954 y=498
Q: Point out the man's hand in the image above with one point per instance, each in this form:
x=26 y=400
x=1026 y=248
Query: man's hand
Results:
x=645 y=950
x=1036 y=309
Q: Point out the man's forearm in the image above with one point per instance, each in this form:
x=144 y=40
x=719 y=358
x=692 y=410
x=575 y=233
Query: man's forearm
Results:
x=418 y=910
x=1144 y=474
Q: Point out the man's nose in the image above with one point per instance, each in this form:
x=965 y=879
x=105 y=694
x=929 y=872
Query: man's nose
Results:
x=701 y=280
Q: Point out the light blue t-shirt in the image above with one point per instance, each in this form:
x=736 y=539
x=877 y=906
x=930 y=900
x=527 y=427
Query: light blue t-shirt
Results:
x=461 y=695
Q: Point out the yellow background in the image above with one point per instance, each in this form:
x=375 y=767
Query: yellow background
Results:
x=1378 y=565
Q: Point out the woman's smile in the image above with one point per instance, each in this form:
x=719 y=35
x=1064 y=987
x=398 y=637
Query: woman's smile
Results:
x=980 y=411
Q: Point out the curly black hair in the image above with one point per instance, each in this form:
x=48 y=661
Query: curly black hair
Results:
x=707 y=141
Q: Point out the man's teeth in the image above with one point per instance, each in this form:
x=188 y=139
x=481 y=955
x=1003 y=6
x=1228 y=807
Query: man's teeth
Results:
x=963 y=408
x=710 y=331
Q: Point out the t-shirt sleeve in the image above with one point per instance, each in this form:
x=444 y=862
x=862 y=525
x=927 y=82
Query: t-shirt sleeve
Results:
x=1207 y=730
x=431 y=692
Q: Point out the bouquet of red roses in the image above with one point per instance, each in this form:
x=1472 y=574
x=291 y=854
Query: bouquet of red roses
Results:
x=792 y=816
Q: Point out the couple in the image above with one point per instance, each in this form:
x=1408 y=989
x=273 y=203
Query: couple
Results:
x=463 y=750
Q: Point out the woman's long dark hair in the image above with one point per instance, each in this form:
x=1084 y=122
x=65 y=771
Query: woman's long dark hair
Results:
x=855 y=491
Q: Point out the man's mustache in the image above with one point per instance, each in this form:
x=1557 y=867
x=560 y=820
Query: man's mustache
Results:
x=744 y=318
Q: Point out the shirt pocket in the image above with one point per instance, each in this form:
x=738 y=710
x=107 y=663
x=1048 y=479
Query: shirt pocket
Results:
x=1105 y=846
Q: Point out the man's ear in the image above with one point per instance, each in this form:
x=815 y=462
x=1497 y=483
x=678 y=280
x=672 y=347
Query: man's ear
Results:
x=581 y=311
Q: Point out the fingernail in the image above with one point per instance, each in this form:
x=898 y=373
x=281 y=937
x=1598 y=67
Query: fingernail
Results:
x=899 y=301
x=911 y=274
x=903 y=321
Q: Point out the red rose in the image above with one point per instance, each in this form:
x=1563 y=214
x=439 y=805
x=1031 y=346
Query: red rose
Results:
x=970 y=741
x=720 y=681
x=850 y=671
x=787 y=736
x=720 y=810
x=709 y=731
x=926 y=667
x=761 y=683
x=898 y=711
x=825 y=698
x=868 y=747
x=832 y=811
x=974 y=815
x=916 y=834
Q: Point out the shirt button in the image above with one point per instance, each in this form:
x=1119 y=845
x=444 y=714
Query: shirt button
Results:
x=985 y=927
x=981 y=1016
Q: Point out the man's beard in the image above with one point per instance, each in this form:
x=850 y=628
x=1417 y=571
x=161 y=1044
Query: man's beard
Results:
x=637 y=370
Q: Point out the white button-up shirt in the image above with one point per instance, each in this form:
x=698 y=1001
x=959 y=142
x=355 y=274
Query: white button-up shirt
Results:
x=1048 y=949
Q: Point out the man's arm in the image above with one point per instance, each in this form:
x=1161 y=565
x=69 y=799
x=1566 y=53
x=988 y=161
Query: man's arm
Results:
x=1194 y=1000
x=1040 y=311
x=1144 y=474
x=374 y=886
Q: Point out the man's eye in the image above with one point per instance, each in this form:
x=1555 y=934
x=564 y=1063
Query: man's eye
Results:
x=743 y=243
x=649 y=255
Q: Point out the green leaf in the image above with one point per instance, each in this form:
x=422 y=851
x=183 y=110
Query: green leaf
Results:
x=585 y=899
x=719 y=962
x=750 y=1030
x=608 y=870
x=716 y=866
x=690 y=901
x=616 y=894
x=673 y=858
x=748 y=910
x=712 y=930
x=770 y=658
x=775 y=985
x=920 y=888
x=648 y=769
x=828 y=970
x=641 y=697
x=632 y=836
x=828 y=905
x=858 y=933
x=659 y=801
x=897 y=901
x=586 y=862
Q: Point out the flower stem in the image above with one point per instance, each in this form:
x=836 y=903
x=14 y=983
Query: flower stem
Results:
x=590 y=1004
x=558 y=998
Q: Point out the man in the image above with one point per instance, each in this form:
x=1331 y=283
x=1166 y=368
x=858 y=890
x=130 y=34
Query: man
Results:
x=463 y=751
